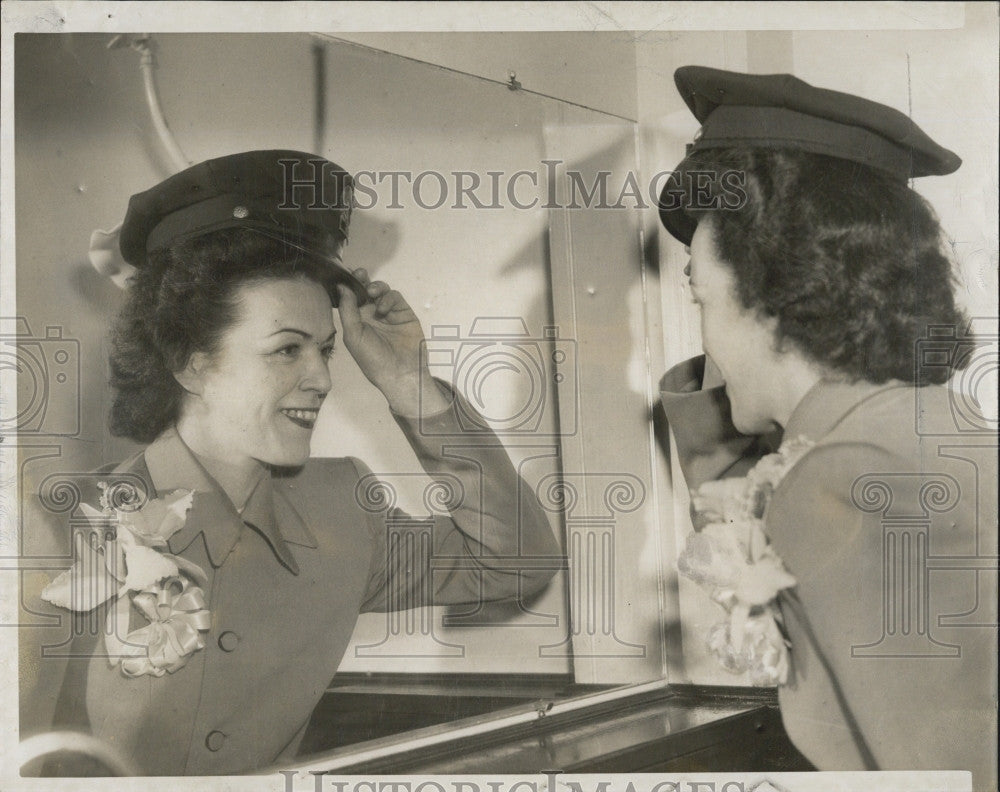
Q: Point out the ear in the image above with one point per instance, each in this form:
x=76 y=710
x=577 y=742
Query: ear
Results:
x=192 y=376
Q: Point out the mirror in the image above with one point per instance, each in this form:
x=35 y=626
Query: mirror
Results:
x=505 y=218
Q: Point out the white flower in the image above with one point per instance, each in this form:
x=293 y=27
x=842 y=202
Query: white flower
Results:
x=719 y=501
x=158 y=519
x=731 y=557
x=122 y=553
x=88 y=583
x=145 y=567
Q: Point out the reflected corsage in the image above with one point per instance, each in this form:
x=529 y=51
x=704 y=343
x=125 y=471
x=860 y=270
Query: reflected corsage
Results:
x=124 y=557
x=729 y=555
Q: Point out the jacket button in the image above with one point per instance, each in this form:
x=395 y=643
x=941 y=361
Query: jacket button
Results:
x=215 y=740
x=228 y=641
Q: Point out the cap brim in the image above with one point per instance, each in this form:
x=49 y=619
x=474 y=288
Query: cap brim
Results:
x=341 y=276
x=338 y=274
x=673 y=209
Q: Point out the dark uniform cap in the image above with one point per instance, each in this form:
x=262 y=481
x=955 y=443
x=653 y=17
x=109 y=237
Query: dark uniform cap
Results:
x=782 y=111
x=297 y=198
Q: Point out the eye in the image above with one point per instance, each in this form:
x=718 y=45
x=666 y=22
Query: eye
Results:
x=289 y=351
x=327 y=351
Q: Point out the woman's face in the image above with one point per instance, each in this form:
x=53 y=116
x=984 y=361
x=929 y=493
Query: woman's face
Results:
x=737 y=340
x=258 y=397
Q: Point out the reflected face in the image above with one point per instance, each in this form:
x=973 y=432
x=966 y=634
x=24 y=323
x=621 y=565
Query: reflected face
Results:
x=260 y=395
x=736 y=339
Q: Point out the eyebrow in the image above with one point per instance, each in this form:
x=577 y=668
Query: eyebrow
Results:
x=302 y=333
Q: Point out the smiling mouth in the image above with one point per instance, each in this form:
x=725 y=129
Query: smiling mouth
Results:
x=304 y=418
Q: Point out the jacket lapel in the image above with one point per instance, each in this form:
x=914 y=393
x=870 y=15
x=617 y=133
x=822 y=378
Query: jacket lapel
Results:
x=265 y=511
x=168 y=464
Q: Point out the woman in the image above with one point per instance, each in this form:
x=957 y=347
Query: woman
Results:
x=231 y=608
x=821 y=275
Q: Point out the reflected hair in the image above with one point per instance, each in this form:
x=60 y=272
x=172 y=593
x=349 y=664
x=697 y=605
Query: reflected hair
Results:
x=181 y=301
x=851 y=263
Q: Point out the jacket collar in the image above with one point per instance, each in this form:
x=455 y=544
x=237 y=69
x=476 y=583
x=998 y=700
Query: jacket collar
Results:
x=168 y=464
x=828 y=403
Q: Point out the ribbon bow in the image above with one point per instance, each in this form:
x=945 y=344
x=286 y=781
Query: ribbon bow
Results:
x=106 y=258
x=177 y=618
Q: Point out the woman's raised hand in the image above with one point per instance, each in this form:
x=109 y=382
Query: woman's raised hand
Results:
x=385 y=337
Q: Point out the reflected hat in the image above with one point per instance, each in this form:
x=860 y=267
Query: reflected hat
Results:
x=299 y=199
x=782 y=111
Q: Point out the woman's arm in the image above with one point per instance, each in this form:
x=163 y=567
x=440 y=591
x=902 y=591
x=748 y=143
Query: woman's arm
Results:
x=496 y=542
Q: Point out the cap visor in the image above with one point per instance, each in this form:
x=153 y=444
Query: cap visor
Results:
x=673 y=211
x=338 y=274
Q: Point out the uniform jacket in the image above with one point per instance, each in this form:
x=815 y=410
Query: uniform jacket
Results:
x=287 y=579
x=889 y=525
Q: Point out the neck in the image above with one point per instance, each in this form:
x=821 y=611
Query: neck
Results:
x=795 y=380
x=236 y=476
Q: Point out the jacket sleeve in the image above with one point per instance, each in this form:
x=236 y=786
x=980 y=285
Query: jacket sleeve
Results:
x=870 y=537
x=709 y=447
x=495 y=541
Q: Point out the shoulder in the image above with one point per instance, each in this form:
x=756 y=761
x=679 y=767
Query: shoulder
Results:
x=893 y=417
x=879 y=463
x=335 y=496
x=901 y=431
x=881 y=433
x=338 y=480
x=877 y=460
x=328 y=466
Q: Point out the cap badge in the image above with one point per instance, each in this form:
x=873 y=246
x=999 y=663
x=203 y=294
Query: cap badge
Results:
x=241 y=213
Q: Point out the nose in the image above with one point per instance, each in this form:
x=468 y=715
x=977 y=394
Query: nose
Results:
x=687 y=269
x=316 y=376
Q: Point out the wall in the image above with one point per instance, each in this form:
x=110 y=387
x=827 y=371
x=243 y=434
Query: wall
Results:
x=85 y=143
x=946 y=81
x=595 y=70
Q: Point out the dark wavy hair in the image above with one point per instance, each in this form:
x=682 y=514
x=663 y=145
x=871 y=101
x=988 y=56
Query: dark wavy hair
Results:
x=181 y=301
x=850 y=262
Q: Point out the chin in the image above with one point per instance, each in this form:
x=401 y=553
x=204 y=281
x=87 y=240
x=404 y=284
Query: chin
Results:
x=753 y=425
x=286 y=458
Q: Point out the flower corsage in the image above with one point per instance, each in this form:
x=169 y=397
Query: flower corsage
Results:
x=731 y=558
x=124 y=557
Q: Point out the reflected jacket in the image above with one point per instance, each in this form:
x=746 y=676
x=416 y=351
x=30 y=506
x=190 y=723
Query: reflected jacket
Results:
x=889 y=525
x=287 y=578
